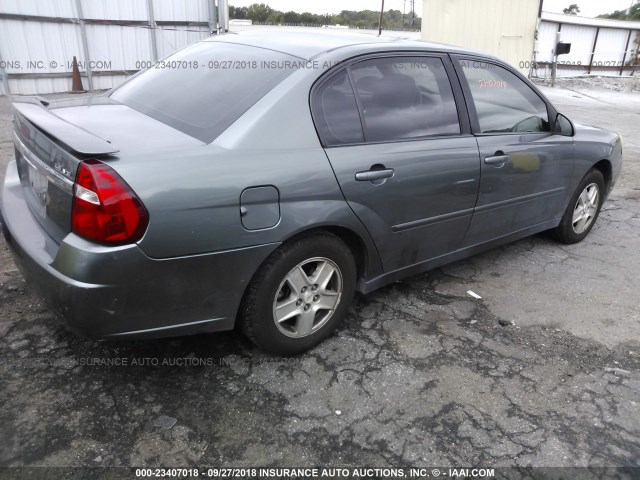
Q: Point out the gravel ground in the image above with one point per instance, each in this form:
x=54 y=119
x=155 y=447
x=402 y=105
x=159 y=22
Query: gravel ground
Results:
x=544 y=370
x=616 y=84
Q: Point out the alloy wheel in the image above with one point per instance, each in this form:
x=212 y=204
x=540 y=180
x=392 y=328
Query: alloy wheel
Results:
x=586 y=208
x=307 y=297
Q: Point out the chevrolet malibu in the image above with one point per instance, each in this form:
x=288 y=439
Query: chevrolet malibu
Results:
x=260 y=179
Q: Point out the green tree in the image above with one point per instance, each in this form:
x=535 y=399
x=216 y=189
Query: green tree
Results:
x=262 y=13
x=259 y=12
x=572 y=9
x=634 y=14
x=237 y=12
x=291 y=18
x=309 y=18
x=276 y=17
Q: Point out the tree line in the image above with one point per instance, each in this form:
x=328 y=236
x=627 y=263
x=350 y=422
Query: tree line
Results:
x=634 y=14
x=392 y=19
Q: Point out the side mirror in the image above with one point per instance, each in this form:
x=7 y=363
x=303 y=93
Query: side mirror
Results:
x=563 y=126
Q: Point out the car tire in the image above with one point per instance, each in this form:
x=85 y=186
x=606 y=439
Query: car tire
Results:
x=583 y=209
x=299 y=295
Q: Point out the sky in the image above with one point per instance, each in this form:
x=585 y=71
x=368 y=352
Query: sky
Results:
x=588 y=8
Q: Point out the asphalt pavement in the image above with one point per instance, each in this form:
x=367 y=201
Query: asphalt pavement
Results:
x=542 y=370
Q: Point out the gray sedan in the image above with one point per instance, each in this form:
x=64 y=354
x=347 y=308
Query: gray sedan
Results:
x=260 y=179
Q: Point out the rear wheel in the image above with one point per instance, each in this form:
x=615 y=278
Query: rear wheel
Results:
x=583 y=209
x=299 y=295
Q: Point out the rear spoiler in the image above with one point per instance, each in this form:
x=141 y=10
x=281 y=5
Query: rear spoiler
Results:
x=76 y=138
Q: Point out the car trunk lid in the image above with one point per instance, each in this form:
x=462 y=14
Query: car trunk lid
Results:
x=51 y=143
x=48 y=152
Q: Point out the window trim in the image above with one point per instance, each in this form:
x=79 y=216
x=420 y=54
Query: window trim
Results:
x=471 y=107
x=320 y=82
x=458 y=95
x=352 y=84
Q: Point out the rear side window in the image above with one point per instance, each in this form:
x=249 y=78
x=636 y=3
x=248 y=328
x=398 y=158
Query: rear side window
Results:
x=405 y=98
x=336 y=112
x=203 y=89
x=503 y=102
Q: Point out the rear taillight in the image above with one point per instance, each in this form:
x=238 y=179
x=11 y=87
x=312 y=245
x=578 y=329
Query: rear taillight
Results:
x=105 y=209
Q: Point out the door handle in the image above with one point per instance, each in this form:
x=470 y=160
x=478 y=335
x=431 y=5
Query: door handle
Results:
x=498 y=160
x=372 y=175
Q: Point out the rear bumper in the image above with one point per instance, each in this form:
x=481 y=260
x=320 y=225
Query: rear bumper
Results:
x=119 y=291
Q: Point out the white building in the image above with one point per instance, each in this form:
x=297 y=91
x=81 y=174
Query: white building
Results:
x=504 y=28
x=523 y=35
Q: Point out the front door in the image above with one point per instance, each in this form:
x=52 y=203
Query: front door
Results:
x=524 y=166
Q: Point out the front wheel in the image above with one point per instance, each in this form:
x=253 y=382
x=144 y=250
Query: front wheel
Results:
x=583 y=209
x=299 y=295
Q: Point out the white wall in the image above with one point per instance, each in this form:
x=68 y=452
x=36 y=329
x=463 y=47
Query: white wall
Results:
x=504 y=28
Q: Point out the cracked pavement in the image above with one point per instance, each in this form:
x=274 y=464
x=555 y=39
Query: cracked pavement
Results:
x=543 y=370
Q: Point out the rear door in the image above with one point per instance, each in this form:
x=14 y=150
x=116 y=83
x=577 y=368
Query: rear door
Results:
x=525 y=167
x=401 y=149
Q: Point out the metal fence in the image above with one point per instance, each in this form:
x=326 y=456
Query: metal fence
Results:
x=110 y=38
x=598 y=46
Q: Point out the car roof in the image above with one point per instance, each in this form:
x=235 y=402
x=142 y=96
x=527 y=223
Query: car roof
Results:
x=311 y=43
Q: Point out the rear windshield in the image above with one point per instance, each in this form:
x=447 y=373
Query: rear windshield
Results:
x=204 y=88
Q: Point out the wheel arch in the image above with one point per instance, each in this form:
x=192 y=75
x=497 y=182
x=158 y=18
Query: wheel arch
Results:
x=365 y=254
x=356 y=244
x=245 y=317
x=604 y=166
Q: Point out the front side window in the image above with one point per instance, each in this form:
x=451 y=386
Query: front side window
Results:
x=404 y=98
x=503 y=102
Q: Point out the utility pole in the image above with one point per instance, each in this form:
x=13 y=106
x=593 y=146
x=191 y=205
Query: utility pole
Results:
x=380 y=21
x=413 y=13
x=223 y=15
x=554 y=62
x=213 y=17
x=85 y=44
x=404 y=14
x=152 y=31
